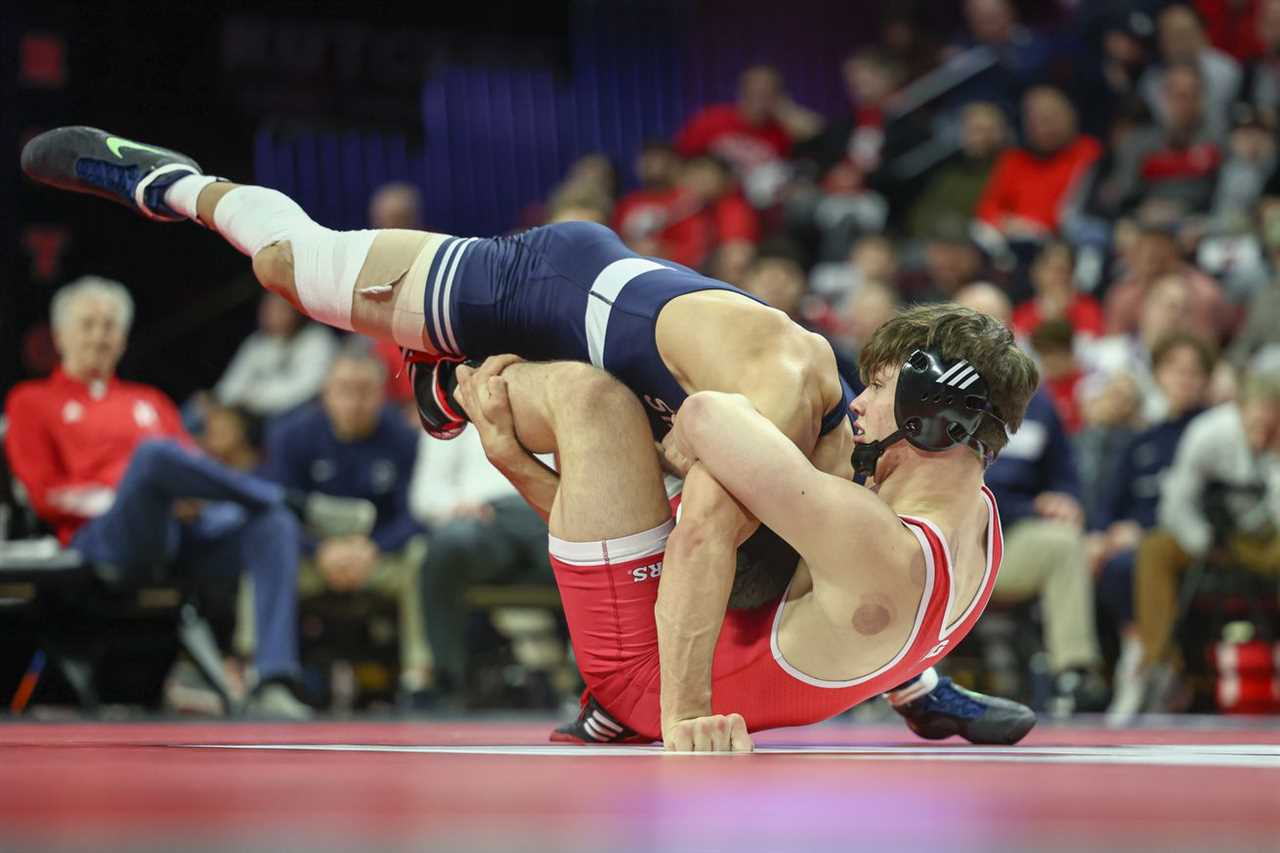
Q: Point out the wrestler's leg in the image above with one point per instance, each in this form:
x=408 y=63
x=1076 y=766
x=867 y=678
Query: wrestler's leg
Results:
x=611 y=483
x=357 y=280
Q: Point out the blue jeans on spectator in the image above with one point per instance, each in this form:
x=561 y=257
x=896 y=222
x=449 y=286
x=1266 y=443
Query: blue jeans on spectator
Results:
x=251 y=530
x=1115 y=587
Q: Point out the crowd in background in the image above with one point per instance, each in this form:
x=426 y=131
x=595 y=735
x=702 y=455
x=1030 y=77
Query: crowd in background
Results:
x=1121 y=215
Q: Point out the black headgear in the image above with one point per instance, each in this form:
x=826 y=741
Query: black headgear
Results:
x=937 y=405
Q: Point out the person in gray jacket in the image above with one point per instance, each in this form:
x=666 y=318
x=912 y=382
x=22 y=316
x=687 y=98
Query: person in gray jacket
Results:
x=1228 y=459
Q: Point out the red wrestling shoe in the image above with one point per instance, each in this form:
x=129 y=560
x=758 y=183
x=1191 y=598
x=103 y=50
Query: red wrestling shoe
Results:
x=434 y=379
x=594 y=725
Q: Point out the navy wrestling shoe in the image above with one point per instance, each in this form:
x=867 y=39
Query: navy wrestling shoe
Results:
x=434 y=381
x=594 y=725
x=88 y=160
x=950 y=709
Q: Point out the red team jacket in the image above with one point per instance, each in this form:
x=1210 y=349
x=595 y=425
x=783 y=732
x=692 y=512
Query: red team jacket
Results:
x=64 y=433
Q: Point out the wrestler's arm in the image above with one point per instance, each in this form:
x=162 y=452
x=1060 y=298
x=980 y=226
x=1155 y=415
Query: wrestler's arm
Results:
x=700 y=560
x=813 y=511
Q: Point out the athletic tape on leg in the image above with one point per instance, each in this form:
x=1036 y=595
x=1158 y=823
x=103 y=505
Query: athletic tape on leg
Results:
x=326 y=263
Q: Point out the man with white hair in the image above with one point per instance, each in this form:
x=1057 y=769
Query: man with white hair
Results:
x=108 y=465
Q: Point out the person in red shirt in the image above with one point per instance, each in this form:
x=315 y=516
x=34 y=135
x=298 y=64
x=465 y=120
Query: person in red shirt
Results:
x=1031 y=186
x=701 y=214
x=753 y=134
x=108 y=465
x=1060 y=372
x=1056 y=296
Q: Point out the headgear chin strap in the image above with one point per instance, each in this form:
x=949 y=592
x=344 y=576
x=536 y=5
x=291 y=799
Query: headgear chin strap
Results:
x=937 y=405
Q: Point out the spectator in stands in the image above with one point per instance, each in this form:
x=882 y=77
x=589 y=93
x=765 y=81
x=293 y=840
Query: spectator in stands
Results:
x=1118 y=37
x=1131 y=481
x=482 y=532
x=1156 y=256
x=871 y=78
x=396 y=205
x=952 y=189
x=578 y=203
x=872 y=258
x=951 y=260
x=903 y=38
x=1020 y=53
x=280 y=366
x=1232 y=25
x=640 y=216
x=1261 y=86
x=1056 y=296
x=1060 y=371
x=1182 y=41
x=702 y=214
x=1220 y=502
x=863 y=311
x=1261 y=326
x=1249 y=164
x=777 y=277
x=1167 y=309
x=107 y=464
x=1031 y=188
x=353 y=445
x=754 y=134
x=1036 y=488
x=1168 y=170
x=234 y=437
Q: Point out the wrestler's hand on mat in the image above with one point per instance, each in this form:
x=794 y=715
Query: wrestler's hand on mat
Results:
x=715 y=733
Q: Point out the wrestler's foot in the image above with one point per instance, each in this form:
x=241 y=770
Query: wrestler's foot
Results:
x=594 y=725
x=88 y=160
x=433 y=384
x=950 y=709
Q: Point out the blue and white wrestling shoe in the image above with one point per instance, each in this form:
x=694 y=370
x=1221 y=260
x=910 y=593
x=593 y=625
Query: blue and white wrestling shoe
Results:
x=92 y=161
x=949 y=709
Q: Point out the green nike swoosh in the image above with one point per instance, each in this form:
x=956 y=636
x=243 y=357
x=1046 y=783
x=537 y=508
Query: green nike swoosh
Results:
x=115 y=143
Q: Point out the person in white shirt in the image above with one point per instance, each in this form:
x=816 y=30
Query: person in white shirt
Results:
x=280 y=366
x=1230 y=455
x=481 y=532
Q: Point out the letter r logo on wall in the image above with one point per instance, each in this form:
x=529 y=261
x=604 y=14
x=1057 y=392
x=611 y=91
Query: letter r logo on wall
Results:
x=938 y=649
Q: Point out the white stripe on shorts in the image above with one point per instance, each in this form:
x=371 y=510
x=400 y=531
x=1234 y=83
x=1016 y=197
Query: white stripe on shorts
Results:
x=604 y=290
x=448 y=290
x=437 y=290
x=649 y=543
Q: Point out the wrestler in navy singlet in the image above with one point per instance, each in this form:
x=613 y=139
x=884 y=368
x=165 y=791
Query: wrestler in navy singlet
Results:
x=570 y=291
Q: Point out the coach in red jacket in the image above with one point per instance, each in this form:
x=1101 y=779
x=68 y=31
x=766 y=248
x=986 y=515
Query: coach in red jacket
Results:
x=109 y=466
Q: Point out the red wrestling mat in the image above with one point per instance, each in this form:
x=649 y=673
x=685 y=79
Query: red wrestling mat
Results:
x=500 y=786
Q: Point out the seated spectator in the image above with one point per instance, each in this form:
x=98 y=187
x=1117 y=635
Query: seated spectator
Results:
x=702 y=214
x=1118 y=43
x=776 y=277
x=1182 y=41
x=951 y=190
x=1261 y=326
x=872 y=259
x=871 y=77
x=1060 y=372
x=910 y=44
x=1155 y=257
x=754 y=135
x=353 y=445
x=109 y=467
x=280 y=366
x=640 y=215
x=1166 y=310
x=1249 y=163
x=234 y=437
x=1232 y=452
x=1034 y=481
x=1031 y=187
x=578 y=203
x=951 y=260
x=1169 y=170
x=396 y=205
x=1056 y=296
x=1232 y=26
x=862 y=312
x=482 y=532
x=1131 y=485
x=1020 y=53
x=1261 y=86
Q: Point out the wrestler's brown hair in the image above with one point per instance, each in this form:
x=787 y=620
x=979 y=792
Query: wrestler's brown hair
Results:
x=954 y=333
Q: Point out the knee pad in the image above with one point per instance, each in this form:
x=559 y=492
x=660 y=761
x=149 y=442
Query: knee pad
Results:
x=326 y=263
